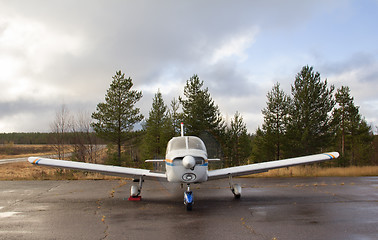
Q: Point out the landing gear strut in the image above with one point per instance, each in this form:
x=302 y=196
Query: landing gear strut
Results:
x=235 y=189
x=136 y=190
x=188 y=198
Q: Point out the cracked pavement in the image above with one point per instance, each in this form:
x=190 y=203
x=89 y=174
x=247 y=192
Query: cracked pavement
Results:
x=275 y=208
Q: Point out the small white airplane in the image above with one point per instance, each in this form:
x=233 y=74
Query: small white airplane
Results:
x=186 y=163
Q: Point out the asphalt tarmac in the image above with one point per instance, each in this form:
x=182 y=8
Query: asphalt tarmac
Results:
x=274 y=208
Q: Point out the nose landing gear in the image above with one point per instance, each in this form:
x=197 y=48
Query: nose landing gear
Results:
x=188 y=198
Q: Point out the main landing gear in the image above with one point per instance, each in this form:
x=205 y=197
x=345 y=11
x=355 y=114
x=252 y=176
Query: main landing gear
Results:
x=188 y=198
x=235 y=188
x=136 y=190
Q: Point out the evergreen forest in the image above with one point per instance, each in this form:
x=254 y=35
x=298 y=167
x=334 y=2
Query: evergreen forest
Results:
x=313 y=118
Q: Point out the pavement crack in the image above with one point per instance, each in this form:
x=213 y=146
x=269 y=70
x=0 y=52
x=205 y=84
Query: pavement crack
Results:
x=250 y=228
x=38 y=195
x=99 y=203
x=97 y=213
x=121 y=183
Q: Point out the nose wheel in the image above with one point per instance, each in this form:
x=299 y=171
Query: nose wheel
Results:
x=188 y=198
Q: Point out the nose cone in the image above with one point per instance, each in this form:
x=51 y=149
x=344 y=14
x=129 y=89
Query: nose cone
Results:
x=188 y=162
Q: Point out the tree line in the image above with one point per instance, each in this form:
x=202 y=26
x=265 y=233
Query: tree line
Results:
x=313 y=118
x=115 y=117
x=47 y=138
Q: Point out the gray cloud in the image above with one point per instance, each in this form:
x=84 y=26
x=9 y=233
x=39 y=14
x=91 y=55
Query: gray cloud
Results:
x=355 y=61
x=11 y=108
x=226 y=80
x=159 y=45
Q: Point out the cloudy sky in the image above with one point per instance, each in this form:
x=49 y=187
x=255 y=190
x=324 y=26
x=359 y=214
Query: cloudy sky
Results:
x=65 y=52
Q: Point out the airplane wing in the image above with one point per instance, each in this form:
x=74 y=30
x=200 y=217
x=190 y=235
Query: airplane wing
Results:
x=266 y=166
x=104 y=169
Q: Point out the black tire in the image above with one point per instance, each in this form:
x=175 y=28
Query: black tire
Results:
x=189 y=206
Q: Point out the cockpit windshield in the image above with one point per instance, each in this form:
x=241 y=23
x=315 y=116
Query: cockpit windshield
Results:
x=196 y=143
x=188 y=142
x=177 y=143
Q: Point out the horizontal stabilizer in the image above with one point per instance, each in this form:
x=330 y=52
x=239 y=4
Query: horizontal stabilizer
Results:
x=155 y=160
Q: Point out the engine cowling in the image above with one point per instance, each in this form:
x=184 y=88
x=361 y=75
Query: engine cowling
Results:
x=188 y=162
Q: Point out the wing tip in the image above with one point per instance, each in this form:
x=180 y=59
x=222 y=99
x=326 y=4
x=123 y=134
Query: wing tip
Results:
x=332 y=155
x=34 y=160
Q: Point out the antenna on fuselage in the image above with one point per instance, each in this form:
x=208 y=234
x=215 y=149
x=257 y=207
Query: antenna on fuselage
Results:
x=182 y=129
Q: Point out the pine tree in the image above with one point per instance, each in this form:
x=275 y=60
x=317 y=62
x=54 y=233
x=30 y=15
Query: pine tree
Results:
x=275 y=121
x=261 y=148
x=238 y=144
x=309 y=128
x=363 y=145
x=341 y=115
x=202 y=117
x=158 y=129
x=354 y=134
x=118 y=114
x=175 y=116
x=200 y=113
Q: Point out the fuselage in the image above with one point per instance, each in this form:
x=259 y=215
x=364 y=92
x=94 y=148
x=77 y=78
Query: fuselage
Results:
x=186 y=160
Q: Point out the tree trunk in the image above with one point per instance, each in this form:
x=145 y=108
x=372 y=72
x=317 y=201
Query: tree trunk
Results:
x=119 y=150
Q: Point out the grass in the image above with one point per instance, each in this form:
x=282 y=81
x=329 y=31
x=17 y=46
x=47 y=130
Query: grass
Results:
x=11 y=150
x=316 y=171
x=27 y=171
